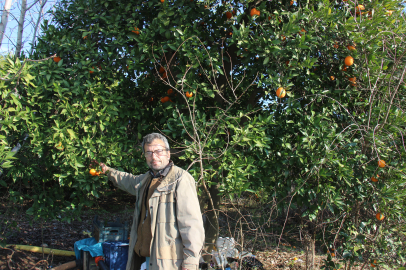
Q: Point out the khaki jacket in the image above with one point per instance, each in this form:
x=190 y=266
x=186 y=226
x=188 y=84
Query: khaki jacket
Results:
x=176 y=220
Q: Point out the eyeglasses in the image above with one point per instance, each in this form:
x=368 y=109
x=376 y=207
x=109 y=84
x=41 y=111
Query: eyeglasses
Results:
x=158 y=152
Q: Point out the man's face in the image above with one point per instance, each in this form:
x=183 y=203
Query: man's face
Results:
x=157 y=162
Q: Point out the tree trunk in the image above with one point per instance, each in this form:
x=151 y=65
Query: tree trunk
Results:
x=309 y=250
x=212 y=223
x=4 y=19
x=21 y=28
x=40 y=14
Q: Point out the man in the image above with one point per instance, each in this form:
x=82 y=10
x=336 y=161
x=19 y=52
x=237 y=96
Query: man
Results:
x=167 y=230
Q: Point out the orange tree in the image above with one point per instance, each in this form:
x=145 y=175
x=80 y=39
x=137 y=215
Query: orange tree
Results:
x=312 y=151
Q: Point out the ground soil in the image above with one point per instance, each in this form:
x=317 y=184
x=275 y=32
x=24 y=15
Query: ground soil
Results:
x=62 y=235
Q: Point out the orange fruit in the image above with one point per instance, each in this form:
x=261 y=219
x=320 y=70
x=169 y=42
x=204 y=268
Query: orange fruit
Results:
x=332 y=78
x=373 y=179
x=170 y=92
x=283 y=38
x=379 y=216
x=161 y=70
x=91 y=71
x=336 y=45
x=389 y=12
x=291 y=2
x=287 y=62
x=93 y=172
x=231 y=33
x=162 y=1
x=189 y=94
x=229 y=15
x=57 y=59
x=151 y=99
x=165 y=99
x=350 y=47
x=85 y=37
x=353 y=81
x=360 y=7
x=344 y=68
x=280 y=92
x=136 y=30
x=348 y=61
x=255 y=11
x=381 y=163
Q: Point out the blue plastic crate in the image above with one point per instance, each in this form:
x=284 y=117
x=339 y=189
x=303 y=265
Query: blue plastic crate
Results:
x=112 y=231
x=116 y=254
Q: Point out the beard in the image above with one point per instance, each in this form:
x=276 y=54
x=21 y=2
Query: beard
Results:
x=158 y=164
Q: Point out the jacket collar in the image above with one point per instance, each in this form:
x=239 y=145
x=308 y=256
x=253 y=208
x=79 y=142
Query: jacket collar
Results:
x=172 y=178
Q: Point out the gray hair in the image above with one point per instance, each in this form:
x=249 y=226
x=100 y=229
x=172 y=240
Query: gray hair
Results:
x=153 y=136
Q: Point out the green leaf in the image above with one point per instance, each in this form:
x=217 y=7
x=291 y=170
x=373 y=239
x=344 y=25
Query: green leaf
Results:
x=72 y=134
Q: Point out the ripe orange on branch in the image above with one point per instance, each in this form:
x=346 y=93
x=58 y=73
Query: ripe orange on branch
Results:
x=57 y=59
x=353 y=81
x=373 y=179
x=170 y=91
x=93 y=172
x=381 y=163
x=280 y=92
x=348 y=61
x=165 y=99
x=379 y=216
x=136 y=30
x=229 y=15
x=255 y=11
x=360 y=7
x=351 y=48
x=332 y=78
x=189 y=94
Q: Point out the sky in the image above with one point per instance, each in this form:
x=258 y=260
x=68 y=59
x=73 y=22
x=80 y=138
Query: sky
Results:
x=10 y=37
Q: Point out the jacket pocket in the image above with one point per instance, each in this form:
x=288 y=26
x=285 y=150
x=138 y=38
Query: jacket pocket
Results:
x=169 y=244
x=167 y=208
